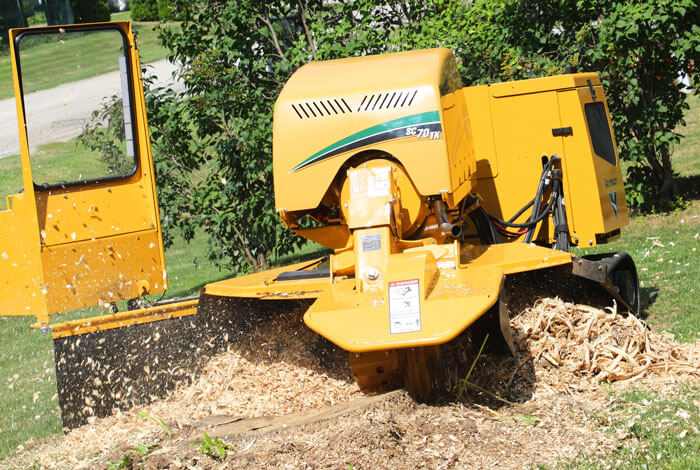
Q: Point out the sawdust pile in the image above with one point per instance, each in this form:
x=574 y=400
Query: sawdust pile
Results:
x=270 y=372
x=580 y=342
x=281 y=367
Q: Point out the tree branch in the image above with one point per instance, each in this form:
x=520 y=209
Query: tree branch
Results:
x=242 y=241
x=302 y=15
x=273 y=36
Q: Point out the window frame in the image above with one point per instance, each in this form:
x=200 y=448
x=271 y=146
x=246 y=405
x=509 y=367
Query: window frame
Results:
x=127 y=55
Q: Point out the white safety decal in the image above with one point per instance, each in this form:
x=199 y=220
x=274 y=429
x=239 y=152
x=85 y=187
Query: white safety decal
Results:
x=404 y=306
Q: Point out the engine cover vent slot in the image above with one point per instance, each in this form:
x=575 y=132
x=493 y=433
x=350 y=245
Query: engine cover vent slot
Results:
x=336 y=106
x=390 y=99
x=320 y=108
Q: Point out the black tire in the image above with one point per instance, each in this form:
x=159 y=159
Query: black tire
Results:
x=624 y=279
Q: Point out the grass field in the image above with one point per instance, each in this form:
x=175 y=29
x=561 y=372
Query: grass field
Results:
x=51 y=163
x=657 y=430
x=92 y=60
x=666 y=249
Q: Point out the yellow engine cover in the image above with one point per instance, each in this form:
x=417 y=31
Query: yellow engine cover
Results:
x=407 y=105
x=521 y=122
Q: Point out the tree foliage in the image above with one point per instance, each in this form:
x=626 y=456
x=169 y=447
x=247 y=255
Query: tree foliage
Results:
x=213 y=142
x=155 y=10
x=144 y=10
x=90 y=11
x=105 y=134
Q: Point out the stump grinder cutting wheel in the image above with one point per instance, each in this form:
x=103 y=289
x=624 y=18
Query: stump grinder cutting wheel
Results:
x=427 y=193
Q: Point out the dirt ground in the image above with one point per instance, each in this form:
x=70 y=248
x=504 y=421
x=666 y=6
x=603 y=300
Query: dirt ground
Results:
x=283 y=404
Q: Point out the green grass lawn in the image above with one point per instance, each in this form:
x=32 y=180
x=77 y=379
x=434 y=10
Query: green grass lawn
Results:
x=658 y=431
x=43 y=57
x=666 y=250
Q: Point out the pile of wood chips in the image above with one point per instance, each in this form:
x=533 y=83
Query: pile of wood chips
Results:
x=270 y=372
x=578 y=341
x=282 y=367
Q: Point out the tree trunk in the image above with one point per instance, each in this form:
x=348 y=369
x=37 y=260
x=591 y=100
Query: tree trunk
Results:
x=667 y=188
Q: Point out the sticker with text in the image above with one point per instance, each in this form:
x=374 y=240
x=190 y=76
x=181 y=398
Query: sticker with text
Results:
x=404 y=306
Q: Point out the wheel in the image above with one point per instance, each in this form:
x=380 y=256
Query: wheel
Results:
x=621 y=277
x=625 y=282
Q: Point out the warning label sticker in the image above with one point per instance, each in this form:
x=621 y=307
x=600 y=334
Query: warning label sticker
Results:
x=404 y=306
x=371 y=242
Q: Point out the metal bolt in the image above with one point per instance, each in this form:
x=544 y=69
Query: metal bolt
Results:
x=372 y=274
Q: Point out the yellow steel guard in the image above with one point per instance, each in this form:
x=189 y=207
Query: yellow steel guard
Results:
x=262 y=285
x=449 y=302
x=119 y=320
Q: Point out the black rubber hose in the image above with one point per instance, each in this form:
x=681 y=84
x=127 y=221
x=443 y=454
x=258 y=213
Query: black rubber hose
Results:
x=538 y=198
x=487 y=232
x=519 y=213
x=530 y=224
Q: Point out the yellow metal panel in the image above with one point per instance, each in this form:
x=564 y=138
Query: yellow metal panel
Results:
x=119 y=320
x=591 y=210
x=452 y=297
x=400 y=92
x=359 y=324
x=522 y=132
x=544 y=84
x=334 y=237
x=96 y=211
x=102 y=270
x=513 y=128
x=21 y=275
x=460 y=146
x=263 y=285
x=513 y=257
x=478 y=104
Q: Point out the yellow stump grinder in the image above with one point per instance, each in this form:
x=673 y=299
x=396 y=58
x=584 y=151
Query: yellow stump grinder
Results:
x=427 y=193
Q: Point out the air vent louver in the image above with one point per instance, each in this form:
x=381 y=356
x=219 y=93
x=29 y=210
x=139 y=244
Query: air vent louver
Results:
x=374 y=102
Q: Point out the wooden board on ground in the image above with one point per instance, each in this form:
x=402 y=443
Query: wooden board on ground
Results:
x=238 y=426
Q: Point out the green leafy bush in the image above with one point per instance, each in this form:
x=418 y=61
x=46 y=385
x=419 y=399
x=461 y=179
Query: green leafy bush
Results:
x=144 y=10
x=90 y=11
x=166 y=12
x=154 y=10
x=105 y=134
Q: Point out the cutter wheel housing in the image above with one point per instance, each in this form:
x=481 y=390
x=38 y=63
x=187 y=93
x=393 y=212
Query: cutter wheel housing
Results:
x=432 y=198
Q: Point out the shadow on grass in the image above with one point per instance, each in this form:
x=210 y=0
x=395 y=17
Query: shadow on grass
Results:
x=647 y=297
x=688 y=187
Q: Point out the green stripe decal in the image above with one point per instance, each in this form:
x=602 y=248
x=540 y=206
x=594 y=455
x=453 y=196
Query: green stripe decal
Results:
x=372 y=133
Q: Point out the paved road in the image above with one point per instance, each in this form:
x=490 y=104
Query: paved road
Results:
x=59 y=114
